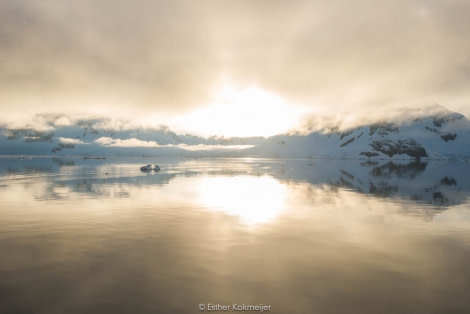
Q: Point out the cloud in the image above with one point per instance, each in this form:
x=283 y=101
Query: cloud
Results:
x=63 y=121
x=131 y=142
x=66 y=140
x=158 y=58
x=204 y=147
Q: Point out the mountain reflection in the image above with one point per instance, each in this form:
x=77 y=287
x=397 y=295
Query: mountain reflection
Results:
x=437 y=183
x=391 y=169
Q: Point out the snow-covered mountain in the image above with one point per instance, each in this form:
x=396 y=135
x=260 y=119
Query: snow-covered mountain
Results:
x=96 y=137
x=441 y=134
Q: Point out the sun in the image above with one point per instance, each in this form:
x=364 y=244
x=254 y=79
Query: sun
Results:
x=249 y=111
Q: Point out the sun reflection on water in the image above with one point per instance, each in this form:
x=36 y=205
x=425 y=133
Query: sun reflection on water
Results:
x=253 y=199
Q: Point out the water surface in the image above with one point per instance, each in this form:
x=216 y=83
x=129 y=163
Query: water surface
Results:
x=302 y=236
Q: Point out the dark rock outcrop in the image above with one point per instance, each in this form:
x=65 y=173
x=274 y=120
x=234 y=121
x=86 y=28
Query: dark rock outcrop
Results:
x=401 y=147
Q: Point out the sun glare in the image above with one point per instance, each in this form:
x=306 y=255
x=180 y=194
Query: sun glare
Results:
x=243 y=112
x=252 y=199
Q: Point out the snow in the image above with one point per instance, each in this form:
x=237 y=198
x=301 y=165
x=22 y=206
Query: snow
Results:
x=441 y=134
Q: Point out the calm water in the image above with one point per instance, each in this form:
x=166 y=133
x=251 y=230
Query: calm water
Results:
x=299 y=236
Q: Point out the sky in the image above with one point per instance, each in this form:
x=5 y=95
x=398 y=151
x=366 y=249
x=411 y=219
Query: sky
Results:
x=242 y=67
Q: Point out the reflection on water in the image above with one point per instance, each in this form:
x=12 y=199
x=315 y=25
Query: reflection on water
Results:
x=253 y=199
x=304 y=236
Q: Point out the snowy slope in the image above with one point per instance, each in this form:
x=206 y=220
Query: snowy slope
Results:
x=442 y=135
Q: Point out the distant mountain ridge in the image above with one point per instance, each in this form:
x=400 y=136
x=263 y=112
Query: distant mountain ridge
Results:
x=93 y=137
x=439 y=134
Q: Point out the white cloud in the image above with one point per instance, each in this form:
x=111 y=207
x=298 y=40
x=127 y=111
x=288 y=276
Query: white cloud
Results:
x=209 y=147
x=132 y=142
x=62 y=121
x=66 y=140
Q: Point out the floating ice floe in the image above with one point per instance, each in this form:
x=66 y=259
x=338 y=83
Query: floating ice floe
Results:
x=150 y=167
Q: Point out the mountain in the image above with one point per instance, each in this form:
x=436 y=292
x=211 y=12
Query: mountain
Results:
x=439 y=134
x=99 y=137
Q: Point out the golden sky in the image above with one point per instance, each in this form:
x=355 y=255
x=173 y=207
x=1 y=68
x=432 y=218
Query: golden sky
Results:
x=191 y=63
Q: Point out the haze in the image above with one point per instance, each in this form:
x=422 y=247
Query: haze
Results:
x=232 y=67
